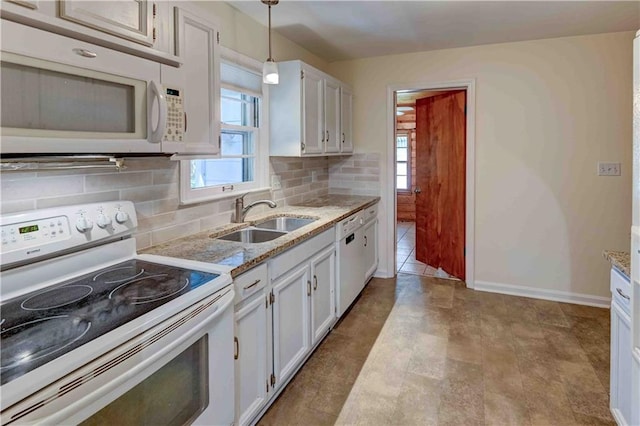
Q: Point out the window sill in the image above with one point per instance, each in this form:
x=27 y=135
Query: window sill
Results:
x=195 y=199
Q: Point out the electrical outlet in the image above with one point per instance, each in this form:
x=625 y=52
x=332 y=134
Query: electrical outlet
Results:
x=609 y=169
x=275 y=182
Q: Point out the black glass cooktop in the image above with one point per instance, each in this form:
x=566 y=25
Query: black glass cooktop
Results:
x=43 y=325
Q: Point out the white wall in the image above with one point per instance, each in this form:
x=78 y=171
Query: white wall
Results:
x=547 y=112
x=245 y=35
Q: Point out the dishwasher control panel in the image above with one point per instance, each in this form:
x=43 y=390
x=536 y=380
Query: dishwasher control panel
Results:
x=349 y=225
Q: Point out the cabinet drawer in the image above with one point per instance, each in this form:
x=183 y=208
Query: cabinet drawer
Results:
x=250 y=282
x=621 y=290
x=298 y=254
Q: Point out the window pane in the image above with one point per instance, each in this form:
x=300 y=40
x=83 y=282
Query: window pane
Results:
x=402 y=154
x=239 y=109
x=402 y=141
x=237 y=143
x=221 y=171
x=402 y=169
x=401 y=182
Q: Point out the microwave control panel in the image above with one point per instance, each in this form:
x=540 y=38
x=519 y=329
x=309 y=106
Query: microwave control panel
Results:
x=176 y=120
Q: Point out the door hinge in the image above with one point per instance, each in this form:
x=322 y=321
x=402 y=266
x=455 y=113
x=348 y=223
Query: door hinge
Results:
x=218 y=36
x=302 y=145
x=267 y=383
x=273 y=380
x=308 y=288
x=301 y=74
x=154 y=10
x=266 y=302
x=154 y=33
x=272 y=298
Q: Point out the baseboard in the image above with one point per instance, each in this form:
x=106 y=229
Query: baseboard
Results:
x=545 y=294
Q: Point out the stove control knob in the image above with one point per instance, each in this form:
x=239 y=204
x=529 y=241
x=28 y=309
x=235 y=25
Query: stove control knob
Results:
x=83 y=224
x=103 y=220
x=122 y=217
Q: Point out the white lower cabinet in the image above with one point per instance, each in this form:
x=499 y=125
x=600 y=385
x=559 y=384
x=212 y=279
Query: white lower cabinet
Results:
x=291 y=340
x=323 y=301
x=279 y=320
x=621 y=401
x=370 y=243
x=252 y=344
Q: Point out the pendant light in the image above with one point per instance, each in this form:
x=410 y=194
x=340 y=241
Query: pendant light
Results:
x=270 y=67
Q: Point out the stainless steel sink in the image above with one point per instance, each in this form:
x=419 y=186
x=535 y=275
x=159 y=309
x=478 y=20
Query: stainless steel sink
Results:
x=285 y=223
x=252 y=235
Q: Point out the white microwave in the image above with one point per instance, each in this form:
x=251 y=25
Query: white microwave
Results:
x=61 y=95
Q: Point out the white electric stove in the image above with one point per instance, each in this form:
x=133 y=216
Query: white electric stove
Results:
x=93 y=333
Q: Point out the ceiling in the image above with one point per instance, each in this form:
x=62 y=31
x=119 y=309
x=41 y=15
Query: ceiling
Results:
x=342 y=30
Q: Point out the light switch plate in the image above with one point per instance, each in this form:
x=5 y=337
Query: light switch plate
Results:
x=275 y=182
x=609 y=169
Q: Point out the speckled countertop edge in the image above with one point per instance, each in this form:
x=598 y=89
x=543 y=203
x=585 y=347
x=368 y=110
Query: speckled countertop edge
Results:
x=621 y=260
x=203 y=246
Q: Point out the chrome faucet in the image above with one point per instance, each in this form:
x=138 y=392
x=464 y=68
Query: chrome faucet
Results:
x=241 y=210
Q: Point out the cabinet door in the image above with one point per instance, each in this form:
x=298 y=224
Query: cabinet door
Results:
x=323 y=279
x=370 y=243
x=251 y=365
x=346 y=119
x=291 y=341
x=332 y=116
x=621 y=362
x=312 y=113
x=129 y=19
x=199 y=80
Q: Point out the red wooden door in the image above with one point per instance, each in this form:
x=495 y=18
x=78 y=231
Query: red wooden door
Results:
x=440 y=178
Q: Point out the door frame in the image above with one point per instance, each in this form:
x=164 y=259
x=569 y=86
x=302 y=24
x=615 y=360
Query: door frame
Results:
x=470 y=86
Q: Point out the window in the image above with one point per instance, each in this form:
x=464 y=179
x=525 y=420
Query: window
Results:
x=241 y=166
x=403 y=156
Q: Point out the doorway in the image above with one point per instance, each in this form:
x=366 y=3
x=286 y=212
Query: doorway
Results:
x=448 y=237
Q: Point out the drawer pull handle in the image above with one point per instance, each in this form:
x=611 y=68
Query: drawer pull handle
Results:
x=622 y=294
x=247 y=287
x=237 y=348
x=86 y=53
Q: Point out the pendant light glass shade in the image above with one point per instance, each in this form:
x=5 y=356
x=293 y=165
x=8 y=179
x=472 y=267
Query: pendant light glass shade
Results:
x=270 y=67
x=270 y=72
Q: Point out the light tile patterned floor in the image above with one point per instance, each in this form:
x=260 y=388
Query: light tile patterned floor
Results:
x=406 y=251
x=424 y=351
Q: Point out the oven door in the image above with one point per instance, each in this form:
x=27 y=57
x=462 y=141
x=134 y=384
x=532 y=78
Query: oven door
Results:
x=61 y=95
x=179 y=372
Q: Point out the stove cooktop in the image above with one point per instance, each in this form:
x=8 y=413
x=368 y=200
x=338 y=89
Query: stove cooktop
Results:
x=41 y=326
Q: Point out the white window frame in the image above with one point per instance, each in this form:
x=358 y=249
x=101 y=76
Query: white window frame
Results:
x=190 y=195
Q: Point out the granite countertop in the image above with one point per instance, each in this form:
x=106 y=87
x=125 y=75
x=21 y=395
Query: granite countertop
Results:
x=621 y=260
x=240 y=257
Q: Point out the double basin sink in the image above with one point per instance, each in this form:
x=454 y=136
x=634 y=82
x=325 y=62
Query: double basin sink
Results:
x=267 y=230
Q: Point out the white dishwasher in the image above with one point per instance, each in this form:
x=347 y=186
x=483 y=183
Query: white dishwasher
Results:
x=350 y=254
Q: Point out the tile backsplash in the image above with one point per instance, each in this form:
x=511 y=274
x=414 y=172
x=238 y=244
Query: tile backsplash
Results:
x=152 y=184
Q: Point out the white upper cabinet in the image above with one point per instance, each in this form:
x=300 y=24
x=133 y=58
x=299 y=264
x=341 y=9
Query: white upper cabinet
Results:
x=346 y=119
x=139 y=27
x=313 y=107
x=131 y=19
x=306 y=112
x=199 y=79
x=332 y=115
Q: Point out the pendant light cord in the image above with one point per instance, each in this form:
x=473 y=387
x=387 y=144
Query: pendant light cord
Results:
x=270 y=58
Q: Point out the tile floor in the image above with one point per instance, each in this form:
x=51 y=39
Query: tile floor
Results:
x=406 y=253
x=419 y=351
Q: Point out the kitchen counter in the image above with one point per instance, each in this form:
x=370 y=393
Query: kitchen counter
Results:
x=621 y=260
x=203 y=246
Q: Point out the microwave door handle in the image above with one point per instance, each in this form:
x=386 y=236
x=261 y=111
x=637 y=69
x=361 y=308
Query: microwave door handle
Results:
x=156 y=92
